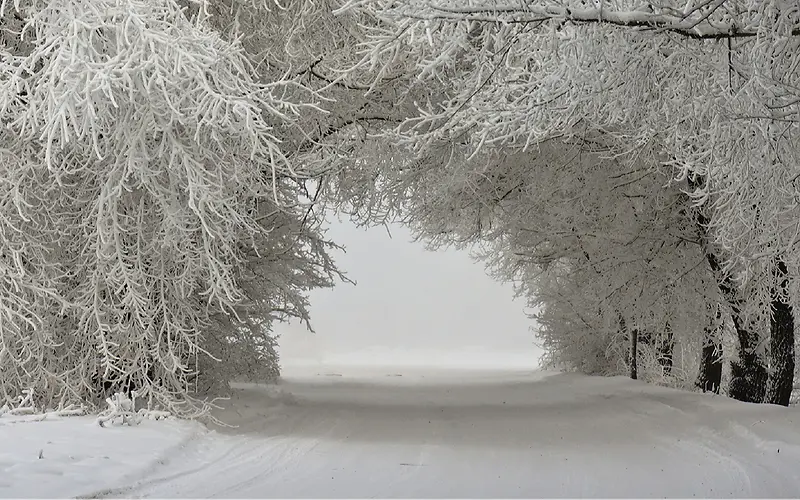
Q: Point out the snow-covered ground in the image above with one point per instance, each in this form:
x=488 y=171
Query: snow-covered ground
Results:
x=368 y=432
x=71 y=456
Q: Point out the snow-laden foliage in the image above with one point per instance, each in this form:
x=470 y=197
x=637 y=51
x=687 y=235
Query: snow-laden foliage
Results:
x=588 y=243
x=706 y=87
x=122 y=410
x=151 y=218
x=703 y=94
x=310 y=42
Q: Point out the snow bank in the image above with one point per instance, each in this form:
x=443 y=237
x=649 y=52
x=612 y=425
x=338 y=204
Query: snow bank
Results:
x=74 y=456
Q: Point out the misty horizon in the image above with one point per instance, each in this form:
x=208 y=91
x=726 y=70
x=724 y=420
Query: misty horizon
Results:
x=409 y=306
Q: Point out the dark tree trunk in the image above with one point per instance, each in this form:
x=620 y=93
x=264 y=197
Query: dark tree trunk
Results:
x=634 y=350
x=749 y=372
x=666 y=348
x=710 y=377
x=781 y=345
x=630 y=354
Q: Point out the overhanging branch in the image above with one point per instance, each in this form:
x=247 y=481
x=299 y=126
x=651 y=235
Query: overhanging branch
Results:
x=695 y=24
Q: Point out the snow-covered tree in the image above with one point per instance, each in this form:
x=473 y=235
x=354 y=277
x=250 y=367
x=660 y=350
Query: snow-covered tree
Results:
x=702 y=91
x=308 y=41
x=591 y=243
x=152 y=220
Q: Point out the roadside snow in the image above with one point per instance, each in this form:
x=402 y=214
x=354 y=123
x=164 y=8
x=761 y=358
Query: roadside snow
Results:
x=71 y=456
x=394 y=432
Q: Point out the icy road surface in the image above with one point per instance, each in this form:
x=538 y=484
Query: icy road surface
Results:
x=457 y=434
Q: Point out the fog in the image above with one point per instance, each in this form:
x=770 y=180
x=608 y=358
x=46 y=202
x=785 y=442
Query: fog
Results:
x=410 y=306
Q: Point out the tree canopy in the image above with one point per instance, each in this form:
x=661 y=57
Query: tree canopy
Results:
x=632 y=166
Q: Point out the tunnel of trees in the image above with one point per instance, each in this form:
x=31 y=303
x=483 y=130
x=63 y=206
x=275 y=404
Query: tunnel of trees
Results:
x=166 y=167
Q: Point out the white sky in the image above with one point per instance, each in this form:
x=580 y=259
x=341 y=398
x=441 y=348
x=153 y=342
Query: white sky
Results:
x=410 y=305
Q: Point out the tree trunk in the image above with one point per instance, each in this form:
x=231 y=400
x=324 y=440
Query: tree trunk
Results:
x=710 y=377
x=666 y=348
x=781 y=345
x=749 y=372
x=634 y=350
x=630 y=354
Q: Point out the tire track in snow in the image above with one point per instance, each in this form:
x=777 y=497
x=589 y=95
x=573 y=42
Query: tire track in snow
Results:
x=287 y=459
x=220 y=458
x=227 y=457
x=556 y=436
x=193 y=437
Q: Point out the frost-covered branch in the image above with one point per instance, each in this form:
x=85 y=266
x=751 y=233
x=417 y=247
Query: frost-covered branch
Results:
x=698 y=20
x=146 y=192
x=699 y=89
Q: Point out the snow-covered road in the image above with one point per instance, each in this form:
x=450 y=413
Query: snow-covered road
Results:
x=487 y=434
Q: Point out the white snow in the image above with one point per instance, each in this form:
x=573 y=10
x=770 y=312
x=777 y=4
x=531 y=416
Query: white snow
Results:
x=70 y=456
x=410 y=432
